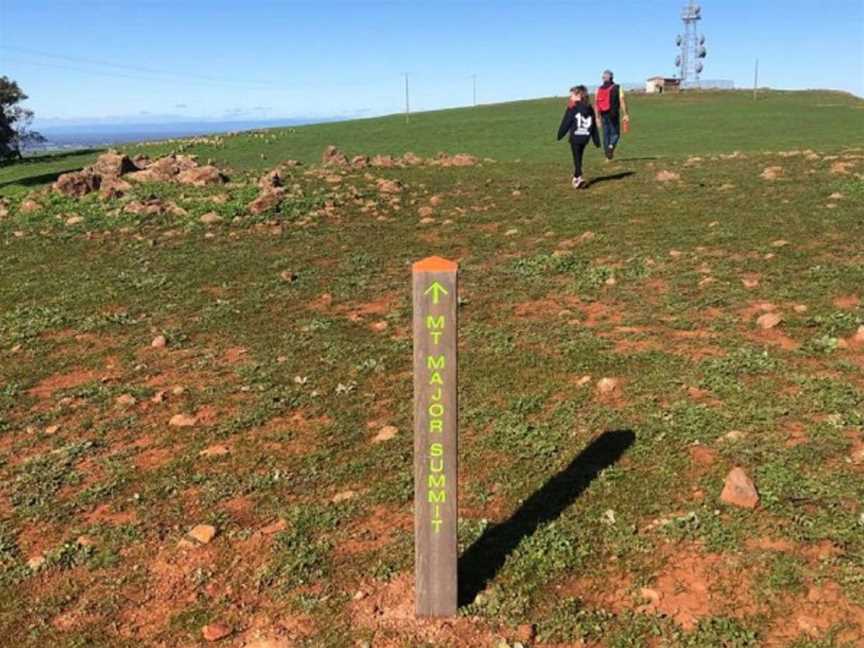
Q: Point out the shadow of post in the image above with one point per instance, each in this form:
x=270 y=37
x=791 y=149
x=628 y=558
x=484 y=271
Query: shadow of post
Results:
x=482 y=560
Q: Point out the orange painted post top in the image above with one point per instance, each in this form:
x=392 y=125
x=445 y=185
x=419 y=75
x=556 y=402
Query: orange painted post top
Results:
x=434 y=264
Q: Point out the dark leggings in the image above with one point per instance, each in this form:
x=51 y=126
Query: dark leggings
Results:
x=577 y=145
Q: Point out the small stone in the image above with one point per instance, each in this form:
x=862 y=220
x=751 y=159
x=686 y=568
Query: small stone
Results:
x=215 y=631
x=288 y=276
x=733 y=435
x=386 y=433
x=126 y=400
x=650 y=595
x=203 y=533
x=159 y=342
x=36 y=562
x=210 y=218
x=739 y=490
x=380 y=326
x=74 y=220
x=344 y=496
x=215 y=451
x=779 y=243
x=769 y=320
x=800 y=308
x=182 y=420
x=52 y=429
x=511 y=232
x=607 y=385
x=359 y=595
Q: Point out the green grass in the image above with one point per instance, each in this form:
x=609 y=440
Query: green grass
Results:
x=542 y=306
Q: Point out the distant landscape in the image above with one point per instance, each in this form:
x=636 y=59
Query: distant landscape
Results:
x=97 y=135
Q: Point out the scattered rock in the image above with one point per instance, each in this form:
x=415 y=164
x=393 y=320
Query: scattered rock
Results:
x=386 y=433
x=288 y=276
x=266 y=200
x=210 y=218
x=607 y=385
x=739 y=490
x=271 y=180
x=74 y=220
x=203 y=533
x=52 y=429
x=76 y=184
x=343 y=496
x=360 y=161
x=771 y=173
x=36 y=562
x=159 y=342
x=202 y=176
x=841 y=168
x=112 y=188
x=332 y=156
x=215 y=631
x=182 y=420
x=667 y=176
x=382 y=161
x=388 y=186
x=126 y=400
x=215 y=451
x=769 y=320
x=113 y=164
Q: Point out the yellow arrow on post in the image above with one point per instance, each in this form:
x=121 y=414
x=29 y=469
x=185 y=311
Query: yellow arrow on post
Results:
x=437 y=290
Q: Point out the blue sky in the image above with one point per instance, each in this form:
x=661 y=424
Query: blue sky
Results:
x=138 y=60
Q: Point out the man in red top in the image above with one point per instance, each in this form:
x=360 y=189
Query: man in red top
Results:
x=611 y=108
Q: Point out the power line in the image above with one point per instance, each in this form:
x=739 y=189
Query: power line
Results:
x=133 y=68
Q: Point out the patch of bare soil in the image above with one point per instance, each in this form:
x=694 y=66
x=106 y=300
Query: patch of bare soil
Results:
x=388 y=610
x=374 y=531
x=821 y=609
x=689 y=584
x=45 y=388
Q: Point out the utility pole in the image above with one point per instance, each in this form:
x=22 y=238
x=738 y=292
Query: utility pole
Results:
x=474 y=89
x=756 y=79
x=407 y=101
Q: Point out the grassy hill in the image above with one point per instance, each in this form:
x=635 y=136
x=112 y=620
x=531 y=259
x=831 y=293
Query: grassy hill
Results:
x=663 y=126
x=169 y=359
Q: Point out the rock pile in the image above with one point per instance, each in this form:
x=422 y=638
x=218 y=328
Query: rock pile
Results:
x=110 y=172
x=333 y=157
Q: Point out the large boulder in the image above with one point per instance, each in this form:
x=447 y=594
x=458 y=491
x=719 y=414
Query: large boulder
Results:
x=201 y=176
x=267 y=200
x=332 y=156
x=77 y=183
x=382 y=161
x=271 y=180
x=114 y=164
x=113 y=187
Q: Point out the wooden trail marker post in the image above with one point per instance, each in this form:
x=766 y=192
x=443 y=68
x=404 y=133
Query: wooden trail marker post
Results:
x=435 y=437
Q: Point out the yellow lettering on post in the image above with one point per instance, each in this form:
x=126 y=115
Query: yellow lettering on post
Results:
x=436 y=450
x=436 y=525
x=437 y=496
x=436 y=425
x=436 y=410
x=436 y=467
x=435 y=362
x=433 y=323
x=436 y=379
x=437 y=481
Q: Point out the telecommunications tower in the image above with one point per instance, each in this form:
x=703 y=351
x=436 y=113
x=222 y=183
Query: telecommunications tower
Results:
x=692 y=45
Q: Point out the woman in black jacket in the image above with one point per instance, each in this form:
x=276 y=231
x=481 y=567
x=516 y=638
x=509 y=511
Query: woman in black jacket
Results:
x=580 y=122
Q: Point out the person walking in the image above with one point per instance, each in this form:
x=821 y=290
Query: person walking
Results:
x=581 y=124
x=610 y=109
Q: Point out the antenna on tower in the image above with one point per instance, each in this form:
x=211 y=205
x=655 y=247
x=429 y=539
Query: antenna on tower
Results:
x=692 y=46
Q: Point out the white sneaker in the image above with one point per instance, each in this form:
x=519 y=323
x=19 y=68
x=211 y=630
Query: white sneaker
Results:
x=577 y=182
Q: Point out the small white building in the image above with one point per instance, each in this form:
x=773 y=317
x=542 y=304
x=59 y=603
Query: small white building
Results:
x=659 y=84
